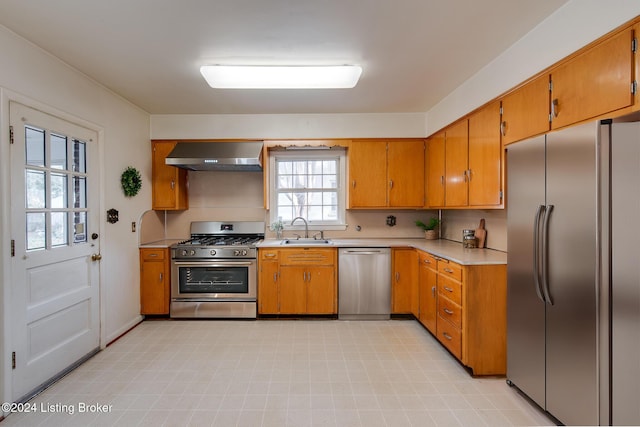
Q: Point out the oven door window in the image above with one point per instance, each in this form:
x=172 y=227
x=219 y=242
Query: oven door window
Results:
x=214 y=280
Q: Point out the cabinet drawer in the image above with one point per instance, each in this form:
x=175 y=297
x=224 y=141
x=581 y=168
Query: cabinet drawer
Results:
x=152 y=254
x=307 y=256
x=450 y=289
x=450 y=311
x=450 y=337
x=267 y=254
x=428 y=260
x=450 y=269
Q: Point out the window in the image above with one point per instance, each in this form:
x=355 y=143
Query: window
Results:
x=308 y=184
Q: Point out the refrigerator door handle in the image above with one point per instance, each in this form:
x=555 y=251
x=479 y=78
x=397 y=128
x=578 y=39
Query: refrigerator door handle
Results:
x=536 y=252
x=545 y=254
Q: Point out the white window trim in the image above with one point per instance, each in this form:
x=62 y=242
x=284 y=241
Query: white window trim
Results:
x=334 y=152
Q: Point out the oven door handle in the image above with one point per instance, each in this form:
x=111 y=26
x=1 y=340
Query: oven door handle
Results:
x=212 y=263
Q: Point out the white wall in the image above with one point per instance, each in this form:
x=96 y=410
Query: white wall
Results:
x=34 y=77
x=576 y=24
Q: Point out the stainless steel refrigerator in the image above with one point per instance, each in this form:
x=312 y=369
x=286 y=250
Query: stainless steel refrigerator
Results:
x=573 y=313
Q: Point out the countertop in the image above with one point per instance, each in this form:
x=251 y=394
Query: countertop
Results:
x=448 y=249
x=160 y=243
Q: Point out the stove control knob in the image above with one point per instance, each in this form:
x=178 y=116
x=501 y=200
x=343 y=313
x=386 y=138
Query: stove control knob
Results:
x=192 y=252
x=236 y=253
x=212 y=252
x=184 y=252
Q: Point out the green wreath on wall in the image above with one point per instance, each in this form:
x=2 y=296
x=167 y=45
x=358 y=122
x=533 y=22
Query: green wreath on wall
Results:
x=131 y=181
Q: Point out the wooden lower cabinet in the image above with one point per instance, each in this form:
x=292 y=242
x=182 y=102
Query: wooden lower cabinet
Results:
x=154 y=281
x=297 y=281
x=465 y=307
x=404 y=283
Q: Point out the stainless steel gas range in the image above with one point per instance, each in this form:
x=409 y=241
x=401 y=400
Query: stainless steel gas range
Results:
x=214 y=273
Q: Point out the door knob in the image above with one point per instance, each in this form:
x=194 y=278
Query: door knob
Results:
x=96 y=257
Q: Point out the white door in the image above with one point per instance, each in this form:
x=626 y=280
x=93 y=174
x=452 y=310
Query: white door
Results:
x=54 y=302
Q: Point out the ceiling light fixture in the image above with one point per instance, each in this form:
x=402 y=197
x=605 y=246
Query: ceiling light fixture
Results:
x=281 y=77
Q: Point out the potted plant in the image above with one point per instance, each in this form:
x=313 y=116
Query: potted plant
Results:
x=430 y=228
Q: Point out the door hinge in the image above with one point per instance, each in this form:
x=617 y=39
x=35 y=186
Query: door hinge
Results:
x=634 y=45
x=13 y=248
x=550 y=85
x=634 y=87
x=10 y=134
x=13 y=360
x=501 y=110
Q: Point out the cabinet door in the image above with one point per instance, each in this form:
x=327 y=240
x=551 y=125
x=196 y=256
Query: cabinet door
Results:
x=169 y=189
x=525 y=111
x=636 y=67
x=456 y=164
x=268 y=287
x=367 y=174
x=404 y=298
x=596 y=82
x=428 y=279
x=293 y=289
x=435 y=173
x=485 y=157
x=154 y=282
x=321 y=290
x=405 y=169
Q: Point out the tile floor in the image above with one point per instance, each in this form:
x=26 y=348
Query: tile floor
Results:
x=277 y=373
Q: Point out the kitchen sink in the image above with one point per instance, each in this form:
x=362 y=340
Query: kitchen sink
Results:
x=306 y=242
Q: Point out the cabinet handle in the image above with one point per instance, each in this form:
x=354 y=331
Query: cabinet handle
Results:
x=161 y=277
x=447 y=336
x=503 y=128
x=173 y=184
x=427 y=261
x=275 y=277
x=397 y=276
x=269 y=255
x=469 y=174
x=309 y=276
x=464 y=175
x=353 y=183
x=442 y=179
x=555 y=107
x=448 y=270
x=448 y=289
x=433 y=291
x=153 y=255
x=390 y=183
x=446 y=310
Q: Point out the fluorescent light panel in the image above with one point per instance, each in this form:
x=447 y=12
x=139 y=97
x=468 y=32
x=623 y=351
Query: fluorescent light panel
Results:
x=281 y=77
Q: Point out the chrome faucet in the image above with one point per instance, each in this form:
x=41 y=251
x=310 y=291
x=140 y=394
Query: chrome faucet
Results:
x=306 y=226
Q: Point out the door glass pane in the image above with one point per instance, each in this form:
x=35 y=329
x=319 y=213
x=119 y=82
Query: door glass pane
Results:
x=58 y=191
x=79 y=192
x=79 y=227
x=58 y=152
x=36 y=230
x=34 y=146
x=35 y=189
x=59 y=226
x=79 y=156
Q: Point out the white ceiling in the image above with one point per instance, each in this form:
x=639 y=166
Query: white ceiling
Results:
x=413 y=52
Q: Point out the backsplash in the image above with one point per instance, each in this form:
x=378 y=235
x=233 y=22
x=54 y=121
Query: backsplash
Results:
x=454 y=221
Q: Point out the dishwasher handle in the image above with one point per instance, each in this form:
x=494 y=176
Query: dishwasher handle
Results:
x=364 y=252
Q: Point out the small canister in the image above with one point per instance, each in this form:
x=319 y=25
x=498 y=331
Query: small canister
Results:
x=469 y=239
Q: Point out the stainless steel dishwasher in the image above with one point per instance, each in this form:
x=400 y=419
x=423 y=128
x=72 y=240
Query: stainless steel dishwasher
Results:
x=364 y=283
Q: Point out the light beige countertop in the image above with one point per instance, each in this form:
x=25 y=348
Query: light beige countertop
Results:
x=447 y=249
x=160 y=243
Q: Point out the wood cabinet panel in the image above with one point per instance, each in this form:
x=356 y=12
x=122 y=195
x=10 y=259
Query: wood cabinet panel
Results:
x=450 y=336
x=525 y=111
x=268 y=289
x=405 y=169
x=321 y=290
x=435 y=173
x=169 y=183
x=427 y=291
x=404 y=294
x=293 y=289
x=367 y=174
x=450 y=311
x=154 y=281
x=456 y=161
x=485 y=157
x=595 y=82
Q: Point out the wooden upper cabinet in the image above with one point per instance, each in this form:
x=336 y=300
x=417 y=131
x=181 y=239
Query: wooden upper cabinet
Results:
x=169 y=183
x=485 y=157
x=456 y=164
x=434 y=176
x=405 y=171
x=636 y=67
x=593 y=83
x=386 y=174
x=525 y=111
x=367 y=174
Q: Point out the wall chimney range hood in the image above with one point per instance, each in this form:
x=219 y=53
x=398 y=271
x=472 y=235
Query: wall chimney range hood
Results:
x=217 y=156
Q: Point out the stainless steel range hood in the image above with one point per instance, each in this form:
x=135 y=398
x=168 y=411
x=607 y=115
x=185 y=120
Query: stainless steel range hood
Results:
x=217 y=156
